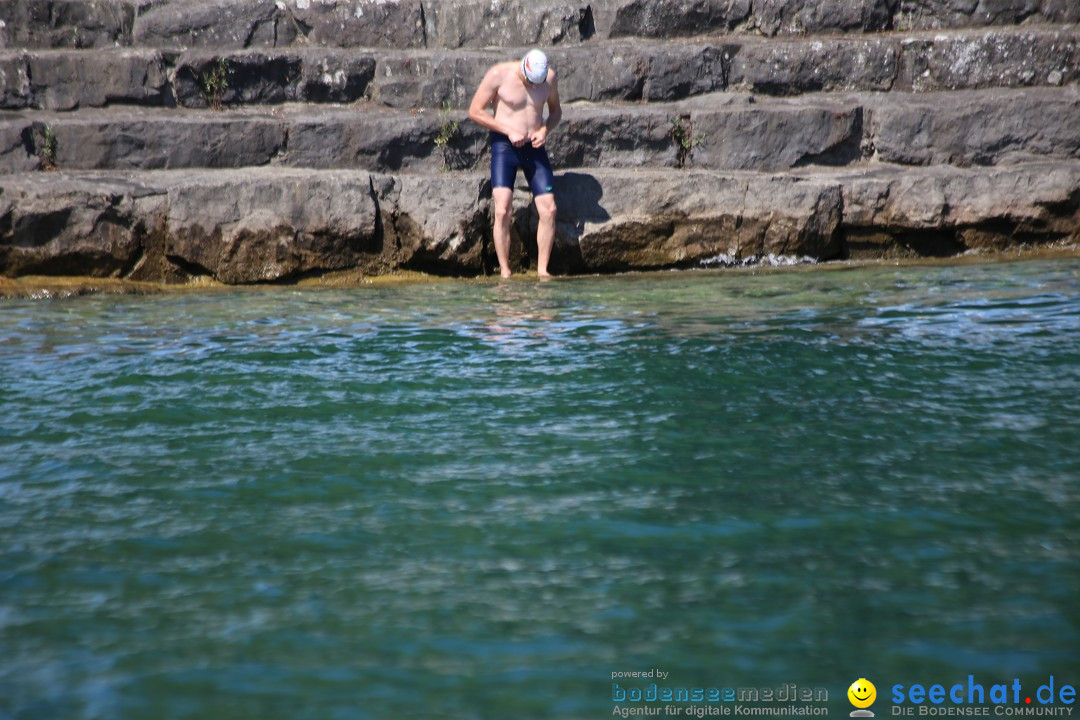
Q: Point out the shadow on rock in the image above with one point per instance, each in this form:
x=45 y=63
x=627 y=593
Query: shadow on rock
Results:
x=578 y=197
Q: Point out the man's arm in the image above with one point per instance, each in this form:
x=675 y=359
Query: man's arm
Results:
x=539 y=138
x=554 y=105
x=483 y=98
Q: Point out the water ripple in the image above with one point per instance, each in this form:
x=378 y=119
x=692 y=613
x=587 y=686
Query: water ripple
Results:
x=478 y=500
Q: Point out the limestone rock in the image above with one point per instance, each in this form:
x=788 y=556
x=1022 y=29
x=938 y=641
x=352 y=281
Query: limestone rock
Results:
x=482 y=23
x=977 y=127
x=358 y=23
x=51 y=224
x=676 y=18
x=18 y=149
x=620 y=220
x=74 y=80
x=722 y=131
x=927 y=14
x=773 y=138
x=256 y=77
x=618 y=71
x=799 y=17
x=610 y=72
x=945 y=210
x=1063 y=11
x=613 y=137
x=66 y=23
x=235 y=24
x=719 y=131
x=16 y=91
x=790 y=67
x=628 y=71
x=440 y=224
x=685 y=71
x=430 y=79
x=214 y=24
x=647 y=18
x=214 y=141
x=383 y=141
x=259 y=226
x=1000 y=58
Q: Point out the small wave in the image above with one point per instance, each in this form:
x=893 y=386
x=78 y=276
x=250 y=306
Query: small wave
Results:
x=770 y=260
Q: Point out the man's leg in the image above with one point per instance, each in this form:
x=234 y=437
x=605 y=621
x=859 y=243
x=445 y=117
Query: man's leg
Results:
x=503 y=198
x=545 y=232
x=542 y=181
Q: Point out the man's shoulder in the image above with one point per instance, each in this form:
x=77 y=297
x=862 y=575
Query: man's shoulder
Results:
x=502 y=68
x=499 y=73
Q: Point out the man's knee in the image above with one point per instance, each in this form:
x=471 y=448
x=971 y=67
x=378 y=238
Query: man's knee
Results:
x=504 y=208
x=545 y=207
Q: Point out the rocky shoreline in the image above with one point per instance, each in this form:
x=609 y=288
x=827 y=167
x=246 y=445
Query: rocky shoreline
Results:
x=695 y=133
x=60 y=287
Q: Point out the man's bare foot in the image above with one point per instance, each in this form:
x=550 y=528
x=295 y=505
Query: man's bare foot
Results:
x=505 y=274
x=545 y=275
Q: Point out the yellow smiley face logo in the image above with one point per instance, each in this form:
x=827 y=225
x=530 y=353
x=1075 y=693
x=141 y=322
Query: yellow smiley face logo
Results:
x=862 y=693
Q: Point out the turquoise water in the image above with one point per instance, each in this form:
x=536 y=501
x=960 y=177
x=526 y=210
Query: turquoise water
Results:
x=481 y=499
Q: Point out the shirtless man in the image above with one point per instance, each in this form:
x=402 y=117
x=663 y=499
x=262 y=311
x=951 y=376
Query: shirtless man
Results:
x=518 y=91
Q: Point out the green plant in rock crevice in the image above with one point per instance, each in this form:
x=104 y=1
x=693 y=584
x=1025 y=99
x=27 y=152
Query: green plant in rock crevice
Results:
x=907 y=19
x=448 y=128
x=215 y=83
x=47 y=150
x=684 y=138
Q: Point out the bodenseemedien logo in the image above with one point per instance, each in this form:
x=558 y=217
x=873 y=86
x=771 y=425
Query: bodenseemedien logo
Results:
x=862 y=694
x=675 y=700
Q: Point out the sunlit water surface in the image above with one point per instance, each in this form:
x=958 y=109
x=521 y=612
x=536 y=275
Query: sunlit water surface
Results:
x=480 y=499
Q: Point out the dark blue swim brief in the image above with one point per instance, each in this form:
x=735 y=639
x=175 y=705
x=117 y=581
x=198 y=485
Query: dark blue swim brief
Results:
x=506 y=159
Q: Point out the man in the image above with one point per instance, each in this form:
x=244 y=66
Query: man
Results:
x=517 y=92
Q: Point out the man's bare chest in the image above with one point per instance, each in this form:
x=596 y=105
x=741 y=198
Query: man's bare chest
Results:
x=519 y=98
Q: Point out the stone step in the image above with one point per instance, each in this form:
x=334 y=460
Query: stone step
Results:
x=981 y=127
x=607 y=70
x=943 y=210
x=724 y=131
x=742 y=134
x=235 y=24
x=71 y=79
x=269 y=224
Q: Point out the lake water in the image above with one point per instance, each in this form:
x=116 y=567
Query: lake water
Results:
x=478 y=499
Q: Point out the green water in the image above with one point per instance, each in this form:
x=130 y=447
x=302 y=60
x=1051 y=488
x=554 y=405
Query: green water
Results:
x=481 y=499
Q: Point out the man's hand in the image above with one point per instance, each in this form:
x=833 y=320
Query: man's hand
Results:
x=539 y=138
x=517 y=139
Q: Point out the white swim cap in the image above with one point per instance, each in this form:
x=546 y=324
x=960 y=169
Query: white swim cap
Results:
x=534 y=67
